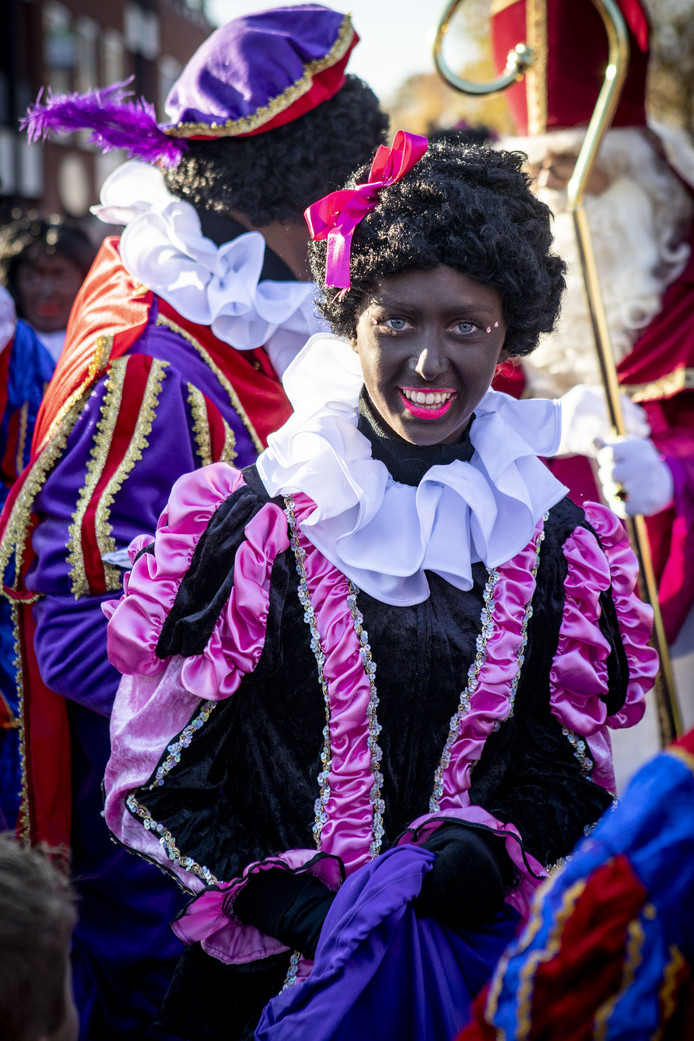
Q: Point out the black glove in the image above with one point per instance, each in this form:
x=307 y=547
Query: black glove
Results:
x=290 y=907
x=466 y=886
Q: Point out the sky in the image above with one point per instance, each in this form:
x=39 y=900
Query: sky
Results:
x=396 y=36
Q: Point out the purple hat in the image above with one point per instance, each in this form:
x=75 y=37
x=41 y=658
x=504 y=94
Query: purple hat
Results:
x=251 y=75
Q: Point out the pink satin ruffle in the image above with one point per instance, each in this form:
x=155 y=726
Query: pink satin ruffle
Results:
x=490 y=704
x=147 y=711
x=347 y=833
x=634 y=617
x=530 y=871
x=236 y=643
x=209 y=919
x=491 y=701
x=578 y=678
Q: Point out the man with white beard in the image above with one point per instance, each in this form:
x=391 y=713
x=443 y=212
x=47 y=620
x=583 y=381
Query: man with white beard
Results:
x=640 y=208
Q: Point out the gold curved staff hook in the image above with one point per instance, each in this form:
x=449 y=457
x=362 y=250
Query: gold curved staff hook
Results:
x=669 y=716
x=518 y=61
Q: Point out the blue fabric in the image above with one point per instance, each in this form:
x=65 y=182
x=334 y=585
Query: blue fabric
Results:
x=380 y=971
x=653 y=828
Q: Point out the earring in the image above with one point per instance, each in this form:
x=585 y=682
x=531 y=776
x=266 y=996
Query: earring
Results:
x=496 y=325
x=488 y=329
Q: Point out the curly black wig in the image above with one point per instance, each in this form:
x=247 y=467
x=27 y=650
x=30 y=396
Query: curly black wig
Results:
x=275 y=176
x=472 y=209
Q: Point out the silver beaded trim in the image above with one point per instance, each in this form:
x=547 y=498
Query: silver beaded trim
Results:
x=375 y=796
x=580 y=748
x=168 y=842
x=487 y=617
x=183 y=740
x=320 y=815
x=166 y=839
x=520 y=657
x=292 y=971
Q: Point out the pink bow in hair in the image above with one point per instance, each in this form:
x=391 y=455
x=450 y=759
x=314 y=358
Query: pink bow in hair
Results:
x=335 y=216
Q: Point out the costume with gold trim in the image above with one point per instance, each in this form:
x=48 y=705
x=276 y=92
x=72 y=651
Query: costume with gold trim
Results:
x=609 y=948
x=25 y=370
x=141 y=396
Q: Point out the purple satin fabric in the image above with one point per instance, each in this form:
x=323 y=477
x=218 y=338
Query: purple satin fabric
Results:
x=380 y=971
x=249 y=61
x=71 y=634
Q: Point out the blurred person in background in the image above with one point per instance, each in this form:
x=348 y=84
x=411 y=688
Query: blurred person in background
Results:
x=37 y=916
x=44 y=262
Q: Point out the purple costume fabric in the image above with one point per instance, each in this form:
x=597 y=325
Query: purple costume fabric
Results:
x=123 y=951
x=382 y=971
x=71 y=634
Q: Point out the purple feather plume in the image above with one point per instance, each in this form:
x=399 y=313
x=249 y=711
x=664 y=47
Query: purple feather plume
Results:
x=115 y=122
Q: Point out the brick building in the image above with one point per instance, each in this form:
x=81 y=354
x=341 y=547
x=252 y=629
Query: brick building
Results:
x=76 y=45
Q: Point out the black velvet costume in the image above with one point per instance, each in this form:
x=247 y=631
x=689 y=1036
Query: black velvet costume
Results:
x=248 y=791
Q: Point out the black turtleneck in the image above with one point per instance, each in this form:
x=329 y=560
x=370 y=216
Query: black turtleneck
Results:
x=407 y=463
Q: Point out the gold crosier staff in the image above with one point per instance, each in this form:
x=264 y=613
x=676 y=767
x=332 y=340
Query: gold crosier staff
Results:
x=518 y=62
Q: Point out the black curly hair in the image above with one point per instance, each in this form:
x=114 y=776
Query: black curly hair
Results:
x=468 y=207
x=275 y=176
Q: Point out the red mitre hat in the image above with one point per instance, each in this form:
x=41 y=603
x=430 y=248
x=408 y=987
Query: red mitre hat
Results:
x=569 y=39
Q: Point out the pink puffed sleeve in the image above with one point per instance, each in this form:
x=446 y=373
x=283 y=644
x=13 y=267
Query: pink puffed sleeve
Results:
x=136 y=620
x=579 y=674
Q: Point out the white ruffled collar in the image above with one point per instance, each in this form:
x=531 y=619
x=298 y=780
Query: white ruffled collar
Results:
x=163 y=247
x=384 y=535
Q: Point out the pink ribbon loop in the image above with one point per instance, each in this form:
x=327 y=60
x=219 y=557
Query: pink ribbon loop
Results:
x=335 y=216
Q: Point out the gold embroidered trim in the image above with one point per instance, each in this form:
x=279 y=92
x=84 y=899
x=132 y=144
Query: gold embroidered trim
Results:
x=22 y=437
x=16 y=534
x=525 y=988
x=229 y=447
x=667 y=995
x=99 y=362
x=201 y=427
x=224 y=382
x=101 y=356
x=665 y=387
x=138 y=443
x=633 y=959
x=23 y=820
x=232 y=127
x=536 y=76
x=110 y=409
x=683 y=755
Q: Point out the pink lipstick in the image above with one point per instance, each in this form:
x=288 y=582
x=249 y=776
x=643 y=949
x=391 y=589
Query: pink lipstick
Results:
x=420 y=409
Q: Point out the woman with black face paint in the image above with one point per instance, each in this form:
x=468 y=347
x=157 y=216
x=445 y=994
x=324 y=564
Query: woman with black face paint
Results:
x=369 y=680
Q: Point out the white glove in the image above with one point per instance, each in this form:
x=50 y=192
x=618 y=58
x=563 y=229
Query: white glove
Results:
x=634 y=478
x=584 y=420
